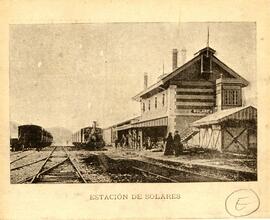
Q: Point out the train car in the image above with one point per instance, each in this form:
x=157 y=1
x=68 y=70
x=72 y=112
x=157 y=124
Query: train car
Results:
x=32 y=136
x=110 y=135
x=14 y=144
x=89 y=137
x=76 y=138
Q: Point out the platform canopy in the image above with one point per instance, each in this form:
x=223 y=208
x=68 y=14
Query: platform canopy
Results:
x=123 y=127
x=157 y=122
x=241 y=113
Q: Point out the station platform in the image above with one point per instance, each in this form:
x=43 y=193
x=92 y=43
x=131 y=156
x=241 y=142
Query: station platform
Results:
x=228 y=168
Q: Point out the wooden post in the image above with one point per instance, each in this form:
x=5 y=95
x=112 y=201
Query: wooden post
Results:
x=210 y=138
x=141 y=138
x=200 y=137
x=217 y=137
x=203 y=139
x=201 y=64
x=222 y=138
x=248 y=133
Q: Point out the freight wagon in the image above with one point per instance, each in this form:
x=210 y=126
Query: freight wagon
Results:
x=110 y=135
x=31 y=136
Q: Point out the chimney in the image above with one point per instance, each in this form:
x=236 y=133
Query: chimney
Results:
x=94 y=124
x=174 y=59
x=145 y=78
x=183 y=56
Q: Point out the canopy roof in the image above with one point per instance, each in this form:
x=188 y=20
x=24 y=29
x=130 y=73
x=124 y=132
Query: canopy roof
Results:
x=240 y=113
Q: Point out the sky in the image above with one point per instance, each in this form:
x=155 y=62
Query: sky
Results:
x=69 y=75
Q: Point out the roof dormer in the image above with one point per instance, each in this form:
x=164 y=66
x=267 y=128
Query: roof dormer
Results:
x=206 y=55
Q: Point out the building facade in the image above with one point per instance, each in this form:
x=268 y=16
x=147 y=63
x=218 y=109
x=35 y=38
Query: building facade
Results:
x=194 y=90
x=200 y=87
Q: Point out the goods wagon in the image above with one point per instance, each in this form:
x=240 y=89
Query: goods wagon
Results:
x=31 y=136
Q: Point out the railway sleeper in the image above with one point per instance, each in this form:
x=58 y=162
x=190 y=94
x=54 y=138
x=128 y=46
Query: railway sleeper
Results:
x=53 y=179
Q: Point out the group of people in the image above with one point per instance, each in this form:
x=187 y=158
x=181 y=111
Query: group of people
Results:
x=173 y=145
x=128 y=140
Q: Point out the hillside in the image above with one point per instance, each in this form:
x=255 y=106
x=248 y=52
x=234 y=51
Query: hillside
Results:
x=60 y=135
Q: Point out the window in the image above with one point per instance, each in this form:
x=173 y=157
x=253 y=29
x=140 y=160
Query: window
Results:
x=231 y=97
x=143 y=107
x=155 y=102
x=149 y=105
x=163 y=99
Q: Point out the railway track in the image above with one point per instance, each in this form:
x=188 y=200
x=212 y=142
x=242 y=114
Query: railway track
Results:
x=171 y=174
x=157 y=170
x=19 y=158
x=57 y=168
x=167 y=179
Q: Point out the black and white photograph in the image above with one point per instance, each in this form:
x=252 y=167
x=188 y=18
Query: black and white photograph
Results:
x=133 y=102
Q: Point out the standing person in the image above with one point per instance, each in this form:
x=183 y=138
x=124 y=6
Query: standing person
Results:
x=116 y=143
x=169 y=145
x=145 y=142
x=148 y=143
x=139 y=142
x=37 y=147
x=164 y=143
x=133 y=137
x=123 y=141
x=177 y=144
x=132 y=140
x=127 y=138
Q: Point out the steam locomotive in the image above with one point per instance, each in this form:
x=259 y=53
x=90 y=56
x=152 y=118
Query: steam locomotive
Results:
x=89 y=138
x=31 y=136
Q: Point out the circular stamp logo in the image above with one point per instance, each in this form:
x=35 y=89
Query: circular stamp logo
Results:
x=242 y=202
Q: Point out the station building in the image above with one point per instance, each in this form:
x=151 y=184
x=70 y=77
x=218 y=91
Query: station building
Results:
x=200 y=87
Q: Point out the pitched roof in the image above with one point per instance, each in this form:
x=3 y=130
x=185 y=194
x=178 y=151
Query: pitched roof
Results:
x=178 y=70
x=230 y=70
x=207 y=49
x=148 y=89
x=240 y=113
x=167 y=77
